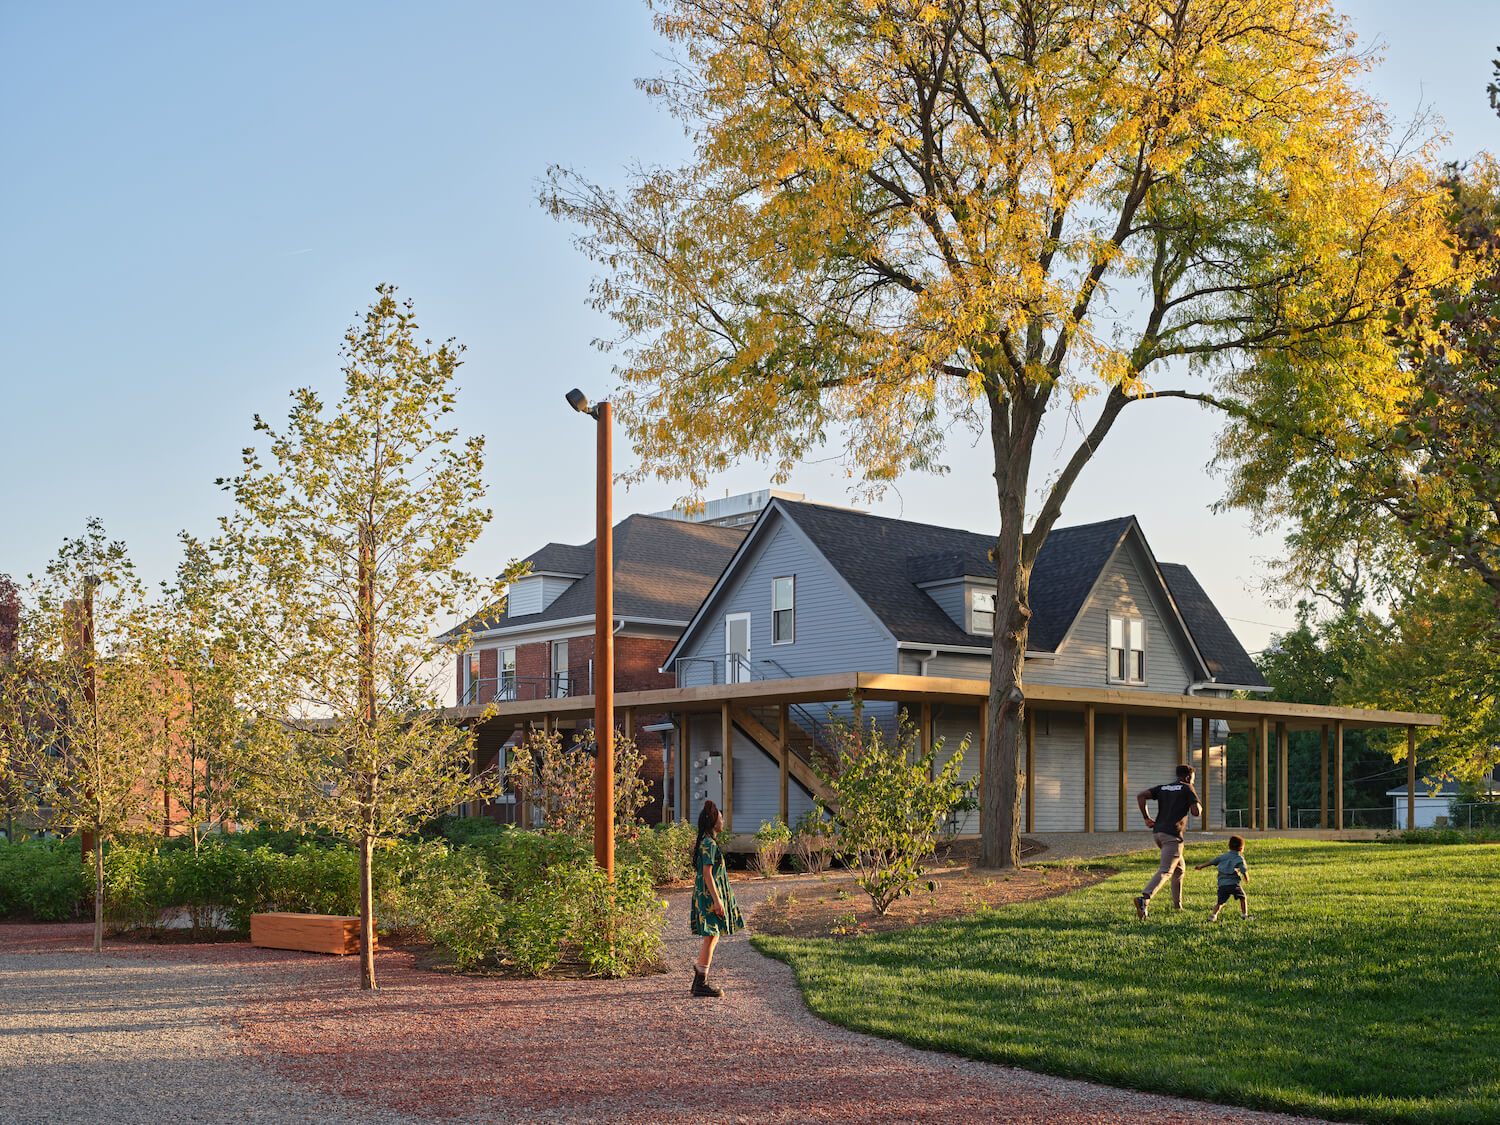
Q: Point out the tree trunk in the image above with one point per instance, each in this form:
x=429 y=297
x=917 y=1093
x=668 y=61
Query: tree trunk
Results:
x=98 y=893
x=1000 y=840
x=366 y=914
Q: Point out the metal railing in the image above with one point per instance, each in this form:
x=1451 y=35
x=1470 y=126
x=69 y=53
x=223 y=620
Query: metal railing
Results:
x=508 y=689
x=706 y=671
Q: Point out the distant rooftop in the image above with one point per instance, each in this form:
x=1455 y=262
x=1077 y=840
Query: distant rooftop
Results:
x=731 y=511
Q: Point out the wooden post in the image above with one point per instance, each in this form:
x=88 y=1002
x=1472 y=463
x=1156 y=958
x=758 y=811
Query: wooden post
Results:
x=1323 y=778
x=1264 y=768
x=984 y=739
x=685 y=770
x=924 y=733
x=1182 y=738
x=786 y=753
x=1088 y=769
x=1411 y=777
x=1338 y=774
x=1283 y=802
x=726 y=741
x=1250 y=755
x=629 y=723
x=1124 y=746
x=1205 y=775
x=1030 y=770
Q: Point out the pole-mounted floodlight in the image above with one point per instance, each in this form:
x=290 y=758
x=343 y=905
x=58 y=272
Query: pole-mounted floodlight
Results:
x=604 y=639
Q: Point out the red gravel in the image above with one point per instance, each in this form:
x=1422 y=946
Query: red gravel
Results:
x=436 y=1045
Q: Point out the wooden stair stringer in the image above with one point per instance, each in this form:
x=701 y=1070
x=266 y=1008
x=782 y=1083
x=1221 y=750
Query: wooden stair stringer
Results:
x=763 y=737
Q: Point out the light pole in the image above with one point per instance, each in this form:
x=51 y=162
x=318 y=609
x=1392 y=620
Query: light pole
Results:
x=604 y=639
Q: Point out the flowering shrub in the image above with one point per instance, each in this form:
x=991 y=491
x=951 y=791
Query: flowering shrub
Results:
x=891 y=804
x=559 y=780
x=809 y=843
x=666 y=850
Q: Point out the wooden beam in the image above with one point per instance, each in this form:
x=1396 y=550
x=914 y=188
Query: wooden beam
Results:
x=1088 y=769
x=1283 y=801
x=781 y=729
x=1264 y=766
x=726 y=743
x=1338 y=773
x=1251 y=753
x=1182 y=738
x=941 y=689
x=1411 y=777
x=1323 y=778
x=1124 y=748
x=1030 y=770
x=1205 y=774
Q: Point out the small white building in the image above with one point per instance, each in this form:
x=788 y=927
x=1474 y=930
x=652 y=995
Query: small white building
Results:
x=1434 y=796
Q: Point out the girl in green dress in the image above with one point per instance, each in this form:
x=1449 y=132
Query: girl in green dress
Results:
x=714 y=910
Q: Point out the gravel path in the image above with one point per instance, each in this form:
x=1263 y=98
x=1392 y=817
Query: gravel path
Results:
x=144 y=1040
x=137 y=1040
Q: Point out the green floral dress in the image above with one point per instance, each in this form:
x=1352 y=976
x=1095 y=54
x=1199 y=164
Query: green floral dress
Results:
x=704 y=921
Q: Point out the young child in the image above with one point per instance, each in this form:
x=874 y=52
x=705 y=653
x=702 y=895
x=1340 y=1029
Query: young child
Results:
x=1232 y=873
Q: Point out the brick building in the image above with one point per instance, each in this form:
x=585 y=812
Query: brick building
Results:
x=541 y=646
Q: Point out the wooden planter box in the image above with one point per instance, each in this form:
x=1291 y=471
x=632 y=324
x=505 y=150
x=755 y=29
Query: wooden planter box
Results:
x=312 y=933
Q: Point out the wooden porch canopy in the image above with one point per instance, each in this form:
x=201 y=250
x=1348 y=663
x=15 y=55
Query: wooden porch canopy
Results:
x=1256 y=716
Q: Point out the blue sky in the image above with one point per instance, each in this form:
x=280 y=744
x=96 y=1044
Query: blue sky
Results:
x=196 y=200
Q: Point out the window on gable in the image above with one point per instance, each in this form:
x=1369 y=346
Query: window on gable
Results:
x=1127 y=650
x=784 y=610
x=981 y=611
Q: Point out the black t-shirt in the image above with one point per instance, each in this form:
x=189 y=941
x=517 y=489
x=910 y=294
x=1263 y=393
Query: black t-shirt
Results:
x=1174 y=803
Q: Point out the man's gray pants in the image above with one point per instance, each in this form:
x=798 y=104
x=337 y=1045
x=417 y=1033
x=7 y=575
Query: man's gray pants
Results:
x=1171 y=867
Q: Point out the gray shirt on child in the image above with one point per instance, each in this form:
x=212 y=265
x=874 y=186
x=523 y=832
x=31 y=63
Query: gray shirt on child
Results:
x=1231 y=867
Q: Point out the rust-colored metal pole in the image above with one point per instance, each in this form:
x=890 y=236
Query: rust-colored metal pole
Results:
x=604 y=651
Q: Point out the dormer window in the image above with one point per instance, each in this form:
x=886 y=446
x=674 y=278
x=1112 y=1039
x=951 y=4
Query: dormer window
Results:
x=1127 y=650
x=982 y=611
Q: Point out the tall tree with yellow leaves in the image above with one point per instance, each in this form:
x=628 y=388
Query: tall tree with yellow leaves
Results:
x=900 y=215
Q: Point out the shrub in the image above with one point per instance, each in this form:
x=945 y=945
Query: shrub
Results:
x=771 y=842
x=891 y=805
x=666 y=850
x=616 y=926
x=809 y=843
x=137 y=891
x=559 y=780
x=43 y=878
x=534 y=927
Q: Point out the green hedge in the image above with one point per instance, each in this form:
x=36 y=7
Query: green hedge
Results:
x=45 y=879
x=528 y=898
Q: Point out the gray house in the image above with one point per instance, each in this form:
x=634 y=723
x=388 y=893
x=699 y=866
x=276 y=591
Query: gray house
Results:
x=815 y=590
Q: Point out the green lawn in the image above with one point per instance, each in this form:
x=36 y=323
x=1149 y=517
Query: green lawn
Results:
x=1365 y=986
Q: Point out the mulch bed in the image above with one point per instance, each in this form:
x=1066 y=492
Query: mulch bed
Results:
x=836 y=906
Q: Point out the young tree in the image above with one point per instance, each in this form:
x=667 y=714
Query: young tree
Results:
x=89 y=747
x=348 y=538
x=900 y=217
x=559 y=779
x=200 y=663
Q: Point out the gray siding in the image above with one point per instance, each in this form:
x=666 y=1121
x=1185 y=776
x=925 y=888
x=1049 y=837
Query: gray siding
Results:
x=952 y=726
x=757 y=778
x=1122 y=588
x=950 y=599
x=959 y=665
x=833 y=630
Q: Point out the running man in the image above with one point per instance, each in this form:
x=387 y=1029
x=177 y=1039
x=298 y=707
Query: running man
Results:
x=1175 y=802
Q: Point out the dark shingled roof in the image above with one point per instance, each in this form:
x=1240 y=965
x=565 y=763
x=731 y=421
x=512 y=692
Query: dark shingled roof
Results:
x=664 y=569
x=883 y=558
x=1226 y=657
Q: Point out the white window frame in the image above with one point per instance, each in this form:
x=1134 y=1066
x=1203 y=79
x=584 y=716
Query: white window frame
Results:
x=790 y=609
x=733 y=673
x=561 y=685
x=500 y=683
x=975 y=593
x=1132 y=629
